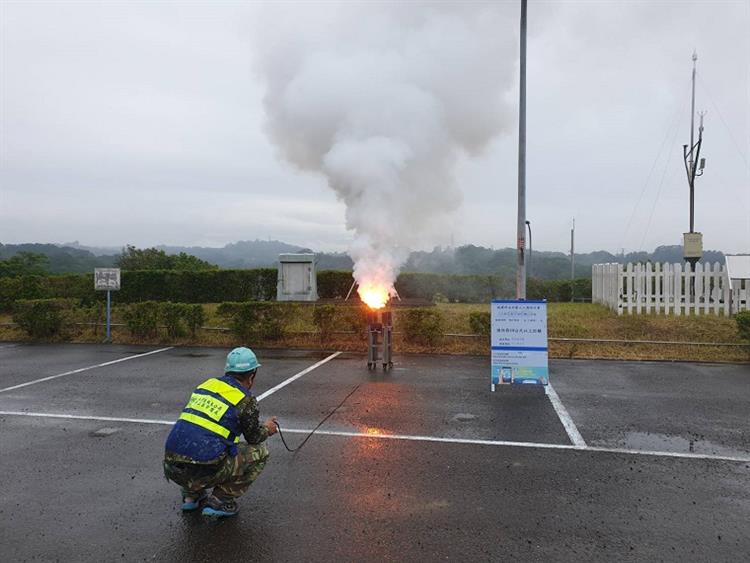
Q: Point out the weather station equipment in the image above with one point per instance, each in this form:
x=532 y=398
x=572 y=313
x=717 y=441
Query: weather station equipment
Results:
x=692 y=242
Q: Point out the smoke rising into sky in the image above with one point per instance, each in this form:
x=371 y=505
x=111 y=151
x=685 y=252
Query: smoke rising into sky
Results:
x=144 y=122
x=384 y=110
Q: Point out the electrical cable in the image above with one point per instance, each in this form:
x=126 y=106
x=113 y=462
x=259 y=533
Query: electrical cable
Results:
x=658 y=191
x=724 y=122
x=329 y=415
x=672 y=123
x=661 y=183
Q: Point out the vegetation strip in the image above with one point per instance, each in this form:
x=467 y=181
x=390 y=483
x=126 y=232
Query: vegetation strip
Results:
x=574 y=330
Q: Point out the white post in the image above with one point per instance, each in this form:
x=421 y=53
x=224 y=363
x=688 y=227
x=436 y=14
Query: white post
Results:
x=698 y=287
x=595 y=279
x=687 y=275
x=707 y=275
x=629 y=288
x=667 y=281
x=638 y=293
x=727 y=291
x=716 y=291
x=677 y=269
x=649 y=278
x=619 y=287
x=658 y=295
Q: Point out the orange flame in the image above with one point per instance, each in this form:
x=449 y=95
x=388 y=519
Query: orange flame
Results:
x=373 y=295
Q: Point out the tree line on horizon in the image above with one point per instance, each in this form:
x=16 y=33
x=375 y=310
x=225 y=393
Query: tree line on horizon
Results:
x=21 y=259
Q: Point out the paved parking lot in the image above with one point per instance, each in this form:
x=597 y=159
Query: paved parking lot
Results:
x=622 y=461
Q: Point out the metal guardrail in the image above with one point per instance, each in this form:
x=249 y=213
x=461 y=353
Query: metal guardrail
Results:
x=656 y=342
x=615 y=341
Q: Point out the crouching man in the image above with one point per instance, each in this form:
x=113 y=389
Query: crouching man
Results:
x=203 y=450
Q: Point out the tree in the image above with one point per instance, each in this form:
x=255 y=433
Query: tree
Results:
x=24 y=264
x=184 y=261
x=134 y=258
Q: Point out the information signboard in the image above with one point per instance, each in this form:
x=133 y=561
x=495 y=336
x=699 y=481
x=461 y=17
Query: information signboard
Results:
x=106 y=279
x=519 y=342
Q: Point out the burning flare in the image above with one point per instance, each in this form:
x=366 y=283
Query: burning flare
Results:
x=375 y=296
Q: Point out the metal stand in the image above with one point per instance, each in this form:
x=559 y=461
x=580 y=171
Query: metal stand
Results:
x=379 y=338
x=108 y=339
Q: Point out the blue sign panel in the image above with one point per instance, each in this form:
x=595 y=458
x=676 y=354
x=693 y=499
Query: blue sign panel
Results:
x=519 y=342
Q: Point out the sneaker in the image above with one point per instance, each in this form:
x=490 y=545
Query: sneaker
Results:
x=218 y=508
x=190 y=503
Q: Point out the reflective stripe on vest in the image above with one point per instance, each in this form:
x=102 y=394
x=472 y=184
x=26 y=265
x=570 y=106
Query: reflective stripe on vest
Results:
x=231 y=394
x=212 y=407
x=208 y=425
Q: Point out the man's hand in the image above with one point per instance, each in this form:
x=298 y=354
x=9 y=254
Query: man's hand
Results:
x=271 y=426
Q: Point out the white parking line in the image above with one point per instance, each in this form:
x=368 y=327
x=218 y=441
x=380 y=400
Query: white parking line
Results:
x=567 y=421
x=87 y=417
x=412 y=438
x=296 y=376
x=79 y=370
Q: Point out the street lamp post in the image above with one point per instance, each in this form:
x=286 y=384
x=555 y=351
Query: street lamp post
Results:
x=521 y=224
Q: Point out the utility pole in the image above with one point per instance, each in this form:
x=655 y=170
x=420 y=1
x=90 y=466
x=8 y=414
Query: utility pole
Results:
x=692 y=242
x=573 y=261
x=521 y=226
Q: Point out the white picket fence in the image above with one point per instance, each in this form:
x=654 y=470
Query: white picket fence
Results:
x=668 y=289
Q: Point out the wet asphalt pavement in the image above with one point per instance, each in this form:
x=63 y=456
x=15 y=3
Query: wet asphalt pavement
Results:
x=92 y=490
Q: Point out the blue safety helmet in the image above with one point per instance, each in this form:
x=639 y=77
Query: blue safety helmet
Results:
x=241 y=360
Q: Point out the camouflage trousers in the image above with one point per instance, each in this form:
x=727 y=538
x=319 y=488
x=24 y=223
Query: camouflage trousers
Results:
x=230 y=478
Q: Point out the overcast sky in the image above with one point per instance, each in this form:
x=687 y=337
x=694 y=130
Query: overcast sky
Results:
x=143 y=123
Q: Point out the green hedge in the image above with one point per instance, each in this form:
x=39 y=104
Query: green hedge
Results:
x=421 y=326
x=455 y=289
x=480 y=323
x=743 y=324
x=324 y=319
x=21 y=288
x=334 y=284
x=43 y=318
x=143 y=319
x=557 y=290
x=258 y=320
x=216 y=286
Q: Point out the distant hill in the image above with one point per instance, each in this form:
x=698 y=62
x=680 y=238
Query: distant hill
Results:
x=239 y=255
x=62 y=259
x=545 y=265
x=467 y=259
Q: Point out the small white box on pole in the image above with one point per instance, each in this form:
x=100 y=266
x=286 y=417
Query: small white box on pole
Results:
x=692 y=245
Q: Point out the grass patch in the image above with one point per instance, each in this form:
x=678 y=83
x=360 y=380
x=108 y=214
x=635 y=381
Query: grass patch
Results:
x=565 y=320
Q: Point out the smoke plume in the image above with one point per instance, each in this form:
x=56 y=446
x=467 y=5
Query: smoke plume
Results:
x=383 y=98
